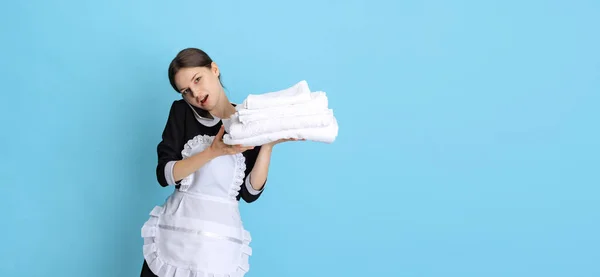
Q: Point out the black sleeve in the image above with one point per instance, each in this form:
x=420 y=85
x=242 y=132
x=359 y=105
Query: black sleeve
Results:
x=250 y=156
x=169 y=149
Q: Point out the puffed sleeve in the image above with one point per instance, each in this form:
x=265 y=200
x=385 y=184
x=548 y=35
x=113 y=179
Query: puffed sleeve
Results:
x=169 y=148
x=247 y=192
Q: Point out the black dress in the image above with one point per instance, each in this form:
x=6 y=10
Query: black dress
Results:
x=186 y=132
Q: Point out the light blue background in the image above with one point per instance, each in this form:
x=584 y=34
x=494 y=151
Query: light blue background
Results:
x=469 y=142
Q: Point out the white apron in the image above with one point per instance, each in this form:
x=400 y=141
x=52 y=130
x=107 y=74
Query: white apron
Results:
x=198 y=231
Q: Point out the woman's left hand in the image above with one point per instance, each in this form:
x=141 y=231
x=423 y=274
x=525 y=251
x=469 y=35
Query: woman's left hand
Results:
x=271 y=144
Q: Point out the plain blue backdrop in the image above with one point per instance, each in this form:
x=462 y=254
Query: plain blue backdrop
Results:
x=468 y=146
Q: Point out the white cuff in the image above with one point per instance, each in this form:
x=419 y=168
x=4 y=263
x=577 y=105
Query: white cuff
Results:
x=169 y=173
x=251 y=189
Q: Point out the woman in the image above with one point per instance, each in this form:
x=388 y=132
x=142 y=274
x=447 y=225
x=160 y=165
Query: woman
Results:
x=198 y=231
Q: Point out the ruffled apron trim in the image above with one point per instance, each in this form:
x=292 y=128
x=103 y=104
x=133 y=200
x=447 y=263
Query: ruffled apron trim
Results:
x=163 y=269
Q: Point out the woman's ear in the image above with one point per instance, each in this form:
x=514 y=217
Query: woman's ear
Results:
x=215 y=68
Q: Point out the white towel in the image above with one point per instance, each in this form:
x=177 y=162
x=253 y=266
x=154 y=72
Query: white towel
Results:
x=270 y=124
x=317 y=105
x=290 y=113
x=326 y=134
x=298 y=93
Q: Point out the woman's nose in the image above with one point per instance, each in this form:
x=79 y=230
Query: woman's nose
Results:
x=194 y=92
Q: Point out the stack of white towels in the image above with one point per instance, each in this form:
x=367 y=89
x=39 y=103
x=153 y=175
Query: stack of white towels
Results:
x=295 y=113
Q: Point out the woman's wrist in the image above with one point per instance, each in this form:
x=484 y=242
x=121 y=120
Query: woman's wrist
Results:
x=211 y=153
x=267 y=147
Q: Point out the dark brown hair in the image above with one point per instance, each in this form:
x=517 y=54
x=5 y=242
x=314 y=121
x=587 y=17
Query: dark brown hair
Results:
x=189 y=57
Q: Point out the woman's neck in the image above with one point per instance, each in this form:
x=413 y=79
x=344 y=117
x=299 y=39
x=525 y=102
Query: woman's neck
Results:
x=224 y=108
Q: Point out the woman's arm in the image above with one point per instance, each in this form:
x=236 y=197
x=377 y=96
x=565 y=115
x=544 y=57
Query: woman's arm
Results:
x=168 y=149
x=257 y=170
x=185 y=167
x=172 y=168
x=258 y=175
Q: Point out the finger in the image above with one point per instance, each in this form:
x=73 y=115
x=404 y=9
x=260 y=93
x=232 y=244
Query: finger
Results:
x=243 y=148
x=220 y=133
x=240 y=149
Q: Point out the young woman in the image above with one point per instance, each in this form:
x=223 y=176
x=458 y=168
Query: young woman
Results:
x=198 y=230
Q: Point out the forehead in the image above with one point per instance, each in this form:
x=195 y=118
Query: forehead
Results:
x=184 y=76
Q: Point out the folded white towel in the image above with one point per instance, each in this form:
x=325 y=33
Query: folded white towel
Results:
x=237 y=130
x=298 y=93
x=326 y=134
x=317 y=105
x=290 y=113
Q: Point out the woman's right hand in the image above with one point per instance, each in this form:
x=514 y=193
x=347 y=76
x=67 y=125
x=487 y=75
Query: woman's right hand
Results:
x=219 y=148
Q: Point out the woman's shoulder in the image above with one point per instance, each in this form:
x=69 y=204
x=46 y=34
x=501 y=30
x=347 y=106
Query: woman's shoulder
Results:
x=179 y=112
x=178 y=106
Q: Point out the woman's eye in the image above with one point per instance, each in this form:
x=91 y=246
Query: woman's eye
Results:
x=197 y=79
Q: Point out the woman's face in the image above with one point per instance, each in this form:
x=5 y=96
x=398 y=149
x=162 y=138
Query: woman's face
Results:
x=200 y=86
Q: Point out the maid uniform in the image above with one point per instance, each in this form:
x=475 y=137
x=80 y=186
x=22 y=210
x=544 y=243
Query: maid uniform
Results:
x=198 y=231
